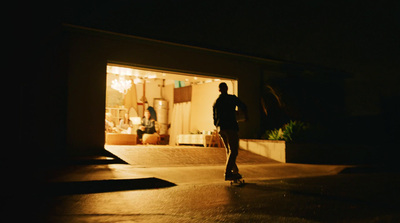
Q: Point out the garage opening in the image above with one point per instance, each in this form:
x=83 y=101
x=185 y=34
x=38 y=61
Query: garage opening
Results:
x=178 y=104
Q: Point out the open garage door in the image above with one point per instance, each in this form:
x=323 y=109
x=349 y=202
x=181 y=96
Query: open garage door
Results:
x=179 y=103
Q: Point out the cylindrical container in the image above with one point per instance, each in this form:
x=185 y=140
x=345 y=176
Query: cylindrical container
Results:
x=161 y=108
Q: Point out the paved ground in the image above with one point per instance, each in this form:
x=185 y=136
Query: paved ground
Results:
x=199 y=164
x=336 y=198
x=174 y=190
x=159 y=156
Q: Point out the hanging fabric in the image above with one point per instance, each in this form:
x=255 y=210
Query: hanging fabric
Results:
x=180 y=121
x=130 y=99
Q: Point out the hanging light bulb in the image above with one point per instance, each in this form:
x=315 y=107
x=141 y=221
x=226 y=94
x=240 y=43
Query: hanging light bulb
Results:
x=121 y=85
x=137 y=81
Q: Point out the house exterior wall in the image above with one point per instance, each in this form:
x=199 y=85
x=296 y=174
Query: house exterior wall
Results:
x=89 y=51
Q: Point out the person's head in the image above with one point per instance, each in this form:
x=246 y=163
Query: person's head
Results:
x=147 y=114
x=223 y=88
x=126 y=118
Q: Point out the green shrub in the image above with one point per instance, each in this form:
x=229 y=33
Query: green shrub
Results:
x=276 y=134
x=292 y=131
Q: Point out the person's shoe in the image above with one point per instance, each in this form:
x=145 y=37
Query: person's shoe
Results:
x=233 y=176
x=237 y=176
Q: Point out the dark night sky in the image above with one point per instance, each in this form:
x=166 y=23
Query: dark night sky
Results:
x=359 y=37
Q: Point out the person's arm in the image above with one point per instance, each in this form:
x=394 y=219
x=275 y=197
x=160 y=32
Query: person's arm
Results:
x=142 y=127
x=242 y=106
x=215 y=114
x=151 y=127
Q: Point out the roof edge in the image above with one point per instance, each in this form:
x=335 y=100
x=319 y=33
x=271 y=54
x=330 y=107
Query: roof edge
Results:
x=261 y=59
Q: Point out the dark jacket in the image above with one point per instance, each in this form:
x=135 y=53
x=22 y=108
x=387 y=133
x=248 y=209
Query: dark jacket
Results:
x=224 y=111
x=149 y=125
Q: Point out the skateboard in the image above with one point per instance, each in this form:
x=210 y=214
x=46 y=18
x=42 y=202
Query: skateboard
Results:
x=237 y=182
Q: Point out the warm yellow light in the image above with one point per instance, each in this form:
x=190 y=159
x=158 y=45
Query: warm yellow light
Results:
x=120 y=70
x=136 y=120
x=152 y=76
x=137 y=81
x=121 y=85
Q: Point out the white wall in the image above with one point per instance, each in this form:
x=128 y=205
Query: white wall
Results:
x=203 y=98
x=168 y=94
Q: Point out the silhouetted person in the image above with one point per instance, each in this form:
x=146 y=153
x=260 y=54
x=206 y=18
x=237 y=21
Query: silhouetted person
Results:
x=224 y=112
x=148 y=125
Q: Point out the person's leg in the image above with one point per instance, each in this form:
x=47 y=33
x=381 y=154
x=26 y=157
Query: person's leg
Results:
x=233 y=139
x=224 y=137
x=139 y=135
x=231 y=143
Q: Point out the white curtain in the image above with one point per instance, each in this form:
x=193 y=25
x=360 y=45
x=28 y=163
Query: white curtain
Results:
x=180 y=122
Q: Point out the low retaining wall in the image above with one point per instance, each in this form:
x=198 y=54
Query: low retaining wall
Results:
x=274 y=149
x=316 y=153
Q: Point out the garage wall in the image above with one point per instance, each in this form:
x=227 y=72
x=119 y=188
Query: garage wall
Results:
x=91 y=50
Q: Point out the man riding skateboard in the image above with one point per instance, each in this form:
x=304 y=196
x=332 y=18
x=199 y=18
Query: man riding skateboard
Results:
x=224 y=114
